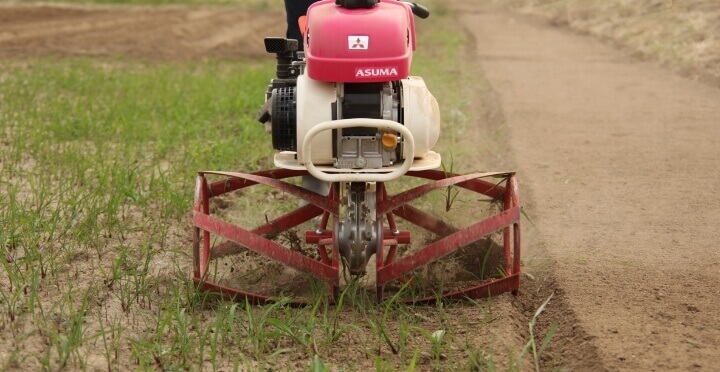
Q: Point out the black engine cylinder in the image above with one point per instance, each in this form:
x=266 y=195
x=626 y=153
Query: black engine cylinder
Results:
x=362 y=101
x=284 y=119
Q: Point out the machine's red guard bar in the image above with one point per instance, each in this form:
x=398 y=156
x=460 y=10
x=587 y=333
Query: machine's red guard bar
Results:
x=388 y=269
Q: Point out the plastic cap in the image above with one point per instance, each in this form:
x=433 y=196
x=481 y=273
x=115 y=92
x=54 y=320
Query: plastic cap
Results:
x=389 y=140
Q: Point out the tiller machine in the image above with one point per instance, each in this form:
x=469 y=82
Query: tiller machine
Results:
x=348 y=119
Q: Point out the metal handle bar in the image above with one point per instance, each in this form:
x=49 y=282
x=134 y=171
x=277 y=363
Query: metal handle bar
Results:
x=408 y=149
x=418 y=9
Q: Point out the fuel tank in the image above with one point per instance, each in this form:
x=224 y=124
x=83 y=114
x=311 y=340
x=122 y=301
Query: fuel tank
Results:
x=359 y=45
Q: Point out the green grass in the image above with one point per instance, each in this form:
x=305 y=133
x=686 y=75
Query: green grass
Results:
x=97 y=162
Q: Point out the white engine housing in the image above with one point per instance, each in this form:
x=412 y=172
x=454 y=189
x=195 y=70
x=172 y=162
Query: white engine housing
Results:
x=420 y=116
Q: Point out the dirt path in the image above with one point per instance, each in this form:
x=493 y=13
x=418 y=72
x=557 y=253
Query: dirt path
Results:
x=619 y=167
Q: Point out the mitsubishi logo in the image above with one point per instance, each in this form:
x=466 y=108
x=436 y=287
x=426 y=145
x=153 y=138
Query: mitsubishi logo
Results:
x=358 y=42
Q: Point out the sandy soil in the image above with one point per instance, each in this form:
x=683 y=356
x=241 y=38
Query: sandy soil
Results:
x=617 y=161
x=684 y=35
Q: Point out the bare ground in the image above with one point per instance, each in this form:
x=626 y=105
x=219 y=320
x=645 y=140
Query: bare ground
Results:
x=683 y=35
x=617 y=161
x=156 y=33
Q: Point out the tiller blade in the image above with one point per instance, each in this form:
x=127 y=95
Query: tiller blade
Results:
x=222 y=249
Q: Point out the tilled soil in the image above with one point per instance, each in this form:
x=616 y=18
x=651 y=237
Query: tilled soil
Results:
x=157 y=33
x=617 y=161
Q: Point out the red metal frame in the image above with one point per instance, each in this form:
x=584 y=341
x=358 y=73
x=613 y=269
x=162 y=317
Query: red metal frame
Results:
x=327 y=268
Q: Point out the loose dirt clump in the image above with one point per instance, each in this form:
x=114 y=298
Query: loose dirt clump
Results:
x=480 y=261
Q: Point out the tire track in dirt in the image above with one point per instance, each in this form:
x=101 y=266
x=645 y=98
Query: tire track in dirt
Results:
x=618 y=164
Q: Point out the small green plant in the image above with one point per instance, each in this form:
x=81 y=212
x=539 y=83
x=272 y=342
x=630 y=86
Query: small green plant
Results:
x=478 y=361
x=256 y=329
x=379 y=324
x=318 y=365
x=110 y=340
x=300 y=334
x=69 y=333
x=332 y=326
x=452 y=191
x=413 y=361
x=11 y=296
x=531 y=346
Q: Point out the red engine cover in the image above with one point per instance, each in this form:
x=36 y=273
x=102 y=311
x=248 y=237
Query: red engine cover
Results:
x=359 y=45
